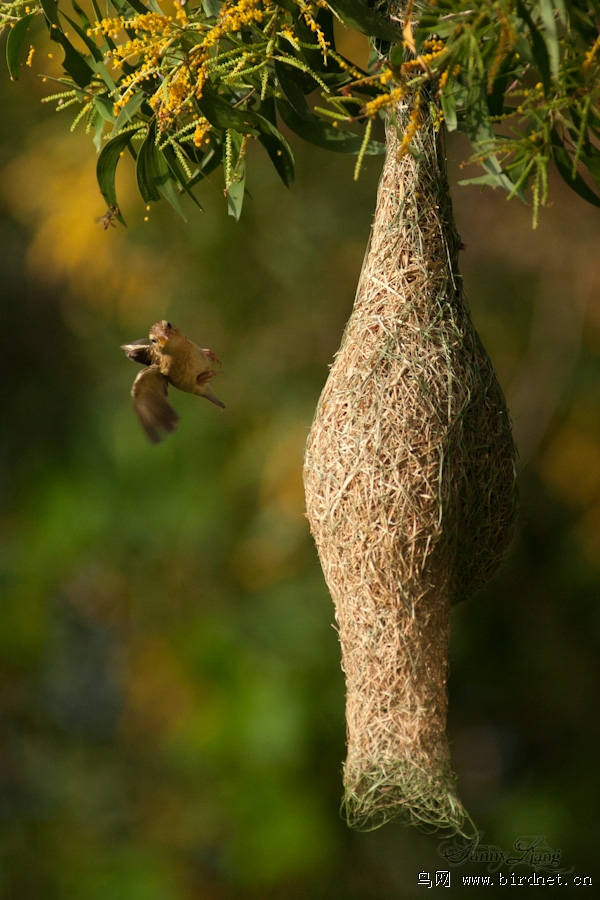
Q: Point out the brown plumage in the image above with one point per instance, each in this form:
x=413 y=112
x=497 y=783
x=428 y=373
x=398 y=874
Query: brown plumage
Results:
x=170 y=358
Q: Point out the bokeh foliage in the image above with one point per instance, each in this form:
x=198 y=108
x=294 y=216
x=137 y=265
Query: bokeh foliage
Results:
x=171 y=701
x=184 y=88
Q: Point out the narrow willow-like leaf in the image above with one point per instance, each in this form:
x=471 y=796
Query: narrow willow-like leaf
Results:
x=448 y=102
x=15 y=43
x=73 y=63
x=278 y=149
x=360 y=16
x=221 y=114
x=87 y=40
x=105 y=108
x=128 y=111
x=481 y=134
x=106 y=168
x=291 y=81
x=98 y=132
x=564 y=166
x=314 y=130
x=147 y=169
x=178 y=174
x=235 y=193
x=154 y=176
x=538 y=46
x=550 y=34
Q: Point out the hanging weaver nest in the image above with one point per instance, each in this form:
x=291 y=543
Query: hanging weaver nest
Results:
x=410 y=489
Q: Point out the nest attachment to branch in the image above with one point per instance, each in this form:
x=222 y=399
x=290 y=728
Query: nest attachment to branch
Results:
x=410 y=490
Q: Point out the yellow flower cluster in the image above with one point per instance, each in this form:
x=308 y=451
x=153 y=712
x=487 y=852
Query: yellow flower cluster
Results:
x=414 y=125
x=233 y=17
x=508 y=37
x=181 y=75
x=447 y=73
x=374 y=106
x=591 y=54
x=180 y=14
x=314 y=26
x=433 y=49
x=202 y=128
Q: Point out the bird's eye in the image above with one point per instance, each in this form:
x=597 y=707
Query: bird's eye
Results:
x=153 y=339
x=169 y=325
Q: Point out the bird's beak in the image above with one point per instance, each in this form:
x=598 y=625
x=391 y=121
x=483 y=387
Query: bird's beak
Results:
x=161 y=334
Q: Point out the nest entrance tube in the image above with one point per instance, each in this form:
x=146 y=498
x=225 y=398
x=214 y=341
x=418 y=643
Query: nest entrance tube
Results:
x=410 y=491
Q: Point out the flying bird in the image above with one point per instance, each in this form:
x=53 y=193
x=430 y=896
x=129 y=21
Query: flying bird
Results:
x=169 y=358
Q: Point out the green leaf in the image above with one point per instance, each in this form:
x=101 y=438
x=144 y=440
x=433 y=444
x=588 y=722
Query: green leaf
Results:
x=584 y=24
x=146 y=168
x=87 y=40
x=126 y=7
x=97 y=12
x=178 y=173
x=211 y=8
x=481 y=134
x=592 y=163
x=397 y=56
x=235 y=192
x=108 y=41
x=153 y=174
x=495 y=170
x=235 y=196
x=495 y=98
x=291 y=80
x=105 y=108
x=547 y=14
x=481 y=179
x=50 y=8
x=98 y=53
x=210 y=161
x=169 y=190
x=73 y=63
x=222 y=114
x=448 y=102
x=98 y=133
x=565 y=168
x=106 y=170
x=538 y=46
x=428 y=22
x=103 y=72
x=128 y=111
x=360 y=16
x=288 y=5
x=314 y=130
x=15 y=43
x=313 y=54
x=278 y=149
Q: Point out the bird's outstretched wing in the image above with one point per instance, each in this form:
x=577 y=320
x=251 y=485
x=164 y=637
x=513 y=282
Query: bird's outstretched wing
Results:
x=157 y=416
x=139 y=352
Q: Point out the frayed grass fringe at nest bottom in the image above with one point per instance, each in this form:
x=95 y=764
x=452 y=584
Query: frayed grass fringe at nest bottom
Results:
x=407 y=795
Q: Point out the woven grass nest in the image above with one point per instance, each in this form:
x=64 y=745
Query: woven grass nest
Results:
x=410 y=490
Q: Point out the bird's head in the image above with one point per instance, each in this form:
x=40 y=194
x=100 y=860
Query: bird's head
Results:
x=162 y=333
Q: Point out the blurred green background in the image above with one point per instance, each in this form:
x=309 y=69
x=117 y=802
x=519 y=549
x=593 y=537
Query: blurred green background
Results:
x=171 y=699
